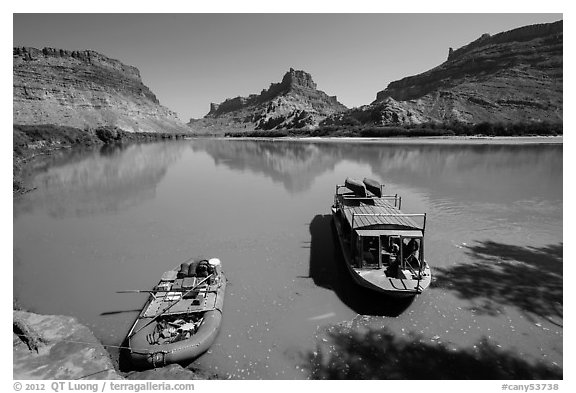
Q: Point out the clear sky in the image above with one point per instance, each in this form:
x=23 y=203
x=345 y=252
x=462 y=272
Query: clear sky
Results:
x=190 y=60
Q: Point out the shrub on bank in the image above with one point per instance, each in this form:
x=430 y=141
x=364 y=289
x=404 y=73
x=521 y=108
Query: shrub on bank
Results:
x=451 y=128
x=30 y=138
x=258 y=134
x=25 y=136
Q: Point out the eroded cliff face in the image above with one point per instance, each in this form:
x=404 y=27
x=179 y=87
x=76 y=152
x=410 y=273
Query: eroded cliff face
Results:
x=511 y=76
x=84 y=89
x=514 y=76
x=295 y=102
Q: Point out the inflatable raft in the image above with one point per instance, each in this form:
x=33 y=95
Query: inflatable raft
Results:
x=181 y=317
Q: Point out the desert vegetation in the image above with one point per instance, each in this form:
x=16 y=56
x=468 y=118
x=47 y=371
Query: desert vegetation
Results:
x=352 y=129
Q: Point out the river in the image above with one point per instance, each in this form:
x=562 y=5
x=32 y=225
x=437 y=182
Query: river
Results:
x=103 y=221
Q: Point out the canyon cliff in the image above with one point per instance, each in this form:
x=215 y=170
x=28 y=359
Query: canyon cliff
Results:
x=295 y=102
x=84 y=89
x=514 y=76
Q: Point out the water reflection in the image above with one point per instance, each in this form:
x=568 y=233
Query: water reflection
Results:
x=294 y=165
x=484 y=173
x=110 y=180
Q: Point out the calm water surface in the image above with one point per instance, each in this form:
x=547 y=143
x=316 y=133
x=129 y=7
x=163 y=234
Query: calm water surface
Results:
x=112 y=220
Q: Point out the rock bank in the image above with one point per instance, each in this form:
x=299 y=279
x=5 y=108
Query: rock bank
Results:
x=57 y=347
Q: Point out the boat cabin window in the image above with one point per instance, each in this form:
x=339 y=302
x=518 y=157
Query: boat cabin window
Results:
x=412 y=252
x=370 y=247
x=390 y=249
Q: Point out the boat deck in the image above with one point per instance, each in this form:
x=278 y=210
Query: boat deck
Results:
x=378 y=279
x=164 y=300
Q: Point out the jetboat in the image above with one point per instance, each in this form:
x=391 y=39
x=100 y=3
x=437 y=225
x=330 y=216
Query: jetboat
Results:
x=383 y=247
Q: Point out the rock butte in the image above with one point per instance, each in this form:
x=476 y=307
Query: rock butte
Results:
x=295 y=102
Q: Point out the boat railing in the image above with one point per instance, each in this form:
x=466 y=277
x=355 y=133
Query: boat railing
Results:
x=390 y=215
x=397 y=199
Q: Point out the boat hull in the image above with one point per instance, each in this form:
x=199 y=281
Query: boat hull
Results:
x=376 y=279
x=146 y=355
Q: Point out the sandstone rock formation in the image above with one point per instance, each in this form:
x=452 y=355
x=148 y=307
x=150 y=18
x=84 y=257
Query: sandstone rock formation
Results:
x=65 y=349
x=295 y=102
x=514 y=76
x=49 y=347
x=84 y=89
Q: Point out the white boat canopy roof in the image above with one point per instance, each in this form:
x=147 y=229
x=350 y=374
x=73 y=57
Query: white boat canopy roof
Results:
x=391 y=232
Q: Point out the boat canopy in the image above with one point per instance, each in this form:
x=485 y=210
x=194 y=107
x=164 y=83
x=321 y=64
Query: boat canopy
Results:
x=390 y=232
x=381 y=213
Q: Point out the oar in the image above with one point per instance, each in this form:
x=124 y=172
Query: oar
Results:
x=172 y=305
